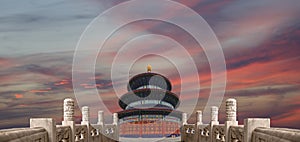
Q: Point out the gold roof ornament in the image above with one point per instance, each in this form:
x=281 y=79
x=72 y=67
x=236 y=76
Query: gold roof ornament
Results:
x=149 y=68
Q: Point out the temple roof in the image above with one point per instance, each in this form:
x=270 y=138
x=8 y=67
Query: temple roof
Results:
x=149 y=78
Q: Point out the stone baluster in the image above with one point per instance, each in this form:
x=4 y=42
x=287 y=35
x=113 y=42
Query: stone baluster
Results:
x=231 y=120
x=184 y=118
x=114 y=130
x=101 y=123
x=115 y=119
x=69 y=115
x=199 y=117
x=214 y=120
x=85 y=112
x=100 y=118
x=231 y=109
x=68 y=109
x=85 y=115
x=214 y=115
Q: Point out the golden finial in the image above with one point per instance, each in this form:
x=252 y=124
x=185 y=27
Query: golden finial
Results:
x=149 y=68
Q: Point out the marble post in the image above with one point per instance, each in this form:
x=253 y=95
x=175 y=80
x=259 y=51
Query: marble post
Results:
x=184 y=118
x=100 y=117
x=69 y=116
x=85 y=112
x=85 y=115
x=231 y=120
x=214 y=115
x=214 y=120
x=115 y=118
x=100 y=124
x=68 y=109
x=199 y=117
x=115 y=127
x=231 y=109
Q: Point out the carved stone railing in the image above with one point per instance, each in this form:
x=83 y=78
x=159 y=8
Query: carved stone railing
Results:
x=218 y=133
x=253 y=130
x=236 y=133
x=81 y=133
x=230 y=131
x=93 y=132
x=24 y=134
x=275 y=135
x=63 y=133
x=71 y=132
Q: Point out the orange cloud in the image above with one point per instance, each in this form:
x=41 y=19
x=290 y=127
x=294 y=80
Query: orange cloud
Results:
x=38 y=91
x=18 y=96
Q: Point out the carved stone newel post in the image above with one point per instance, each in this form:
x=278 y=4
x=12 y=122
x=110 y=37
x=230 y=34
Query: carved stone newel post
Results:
x=231 y=120
x=199 y=117
x=214 y=120
x=69 y=115
x=115 y=118
x=231 y=110
x=85 y=115
x=68 y=109
x=100 y=117
x=214 y=115
x=184 y=118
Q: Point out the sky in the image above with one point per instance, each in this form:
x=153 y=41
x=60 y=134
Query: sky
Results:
x=260 y=42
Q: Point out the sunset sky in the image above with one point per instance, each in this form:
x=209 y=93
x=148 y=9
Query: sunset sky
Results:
x=260 y=41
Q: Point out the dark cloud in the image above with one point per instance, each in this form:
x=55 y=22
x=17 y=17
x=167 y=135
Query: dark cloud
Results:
x=245 y=62
x=282 y=46
x=36 y=69
x=267 y=90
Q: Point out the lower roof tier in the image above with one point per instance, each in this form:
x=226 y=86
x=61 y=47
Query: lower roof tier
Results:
x=149 y=94
x=152 y=111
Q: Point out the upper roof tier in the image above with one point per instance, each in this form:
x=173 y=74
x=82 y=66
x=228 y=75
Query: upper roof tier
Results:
x=149 y=80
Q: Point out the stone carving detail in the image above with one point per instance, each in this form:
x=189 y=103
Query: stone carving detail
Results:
x=80 y=133
x=231 y=110
x=219 y=133
x=204 y=132
x=63 y=133
x=94 y=132
x=236 y=133
x=110 y=131
x=69 y=109
x=190 y=131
